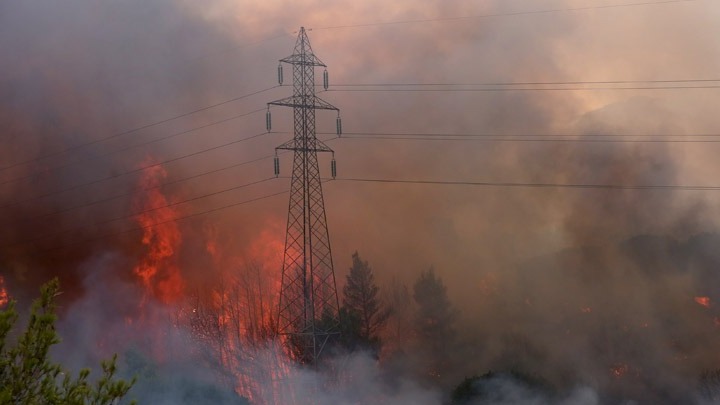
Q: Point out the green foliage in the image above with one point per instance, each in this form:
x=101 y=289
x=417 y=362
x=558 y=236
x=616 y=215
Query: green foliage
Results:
x=28 y=375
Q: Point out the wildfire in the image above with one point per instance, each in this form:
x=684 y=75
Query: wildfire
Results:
x=232 y=318
x=268 y=247
x=704 y=301
x=252 y=283
x=4 y=296
x=235 y=318
x=158 y=270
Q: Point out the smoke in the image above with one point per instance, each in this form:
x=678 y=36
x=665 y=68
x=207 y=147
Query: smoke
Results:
x=80 y=77
x=508 y=389
x=172 y=366
x=585 y=287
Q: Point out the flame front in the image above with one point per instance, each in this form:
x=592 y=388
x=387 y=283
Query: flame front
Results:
x=158 y=270
x=234 y=316
x=231 y=316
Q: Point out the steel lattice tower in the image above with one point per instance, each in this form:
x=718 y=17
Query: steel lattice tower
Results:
x=309 y=306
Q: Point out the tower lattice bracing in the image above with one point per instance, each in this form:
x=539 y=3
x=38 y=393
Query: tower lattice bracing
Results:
x=309 y=306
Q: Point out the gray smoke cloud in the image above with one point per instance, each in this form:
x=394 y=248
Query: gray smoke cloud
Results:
x=585 y=287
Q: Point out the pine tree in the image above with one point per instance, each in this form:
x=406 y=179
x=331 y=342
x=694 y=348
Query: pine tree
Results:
x=435 y=315
x=434 y=323
x=29 y=377
x=364 y=314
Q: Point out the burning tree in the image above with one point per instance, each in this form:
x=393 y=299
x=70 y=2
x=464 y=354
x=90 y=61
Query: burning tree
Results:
x=229 y=313
x=232 y=320
x=29 y=377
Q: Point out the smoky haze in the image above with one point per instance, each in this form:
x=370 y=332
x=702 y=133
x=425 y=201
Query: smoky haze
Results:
x=593 y=289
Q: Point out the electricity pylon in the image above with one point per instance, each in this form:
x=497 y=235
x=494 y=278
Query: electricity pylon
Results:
x=309 y=305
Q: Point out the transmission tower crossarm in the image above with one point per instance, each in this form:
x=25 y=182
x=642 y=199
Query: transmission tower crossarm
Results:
x=306 y=60
x=319 y=146
x=313 y=102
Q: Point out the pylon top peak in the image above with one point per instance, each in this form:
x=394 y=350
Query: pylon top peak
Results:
x=303 y=53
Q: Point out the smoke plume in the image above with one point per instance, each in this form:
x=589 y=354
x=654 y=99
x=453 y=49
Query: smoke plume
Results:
x=606 y=294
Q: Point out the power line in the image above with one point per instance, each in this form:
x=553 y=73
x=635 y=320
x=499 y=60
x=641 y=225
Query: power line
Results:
x=509 y=14
x=134 y=214
x=519 y=135
x=389 y=88
x=133 y=130
x=34 y=175
x=179 y=218
x=419 y=182
x=141 y=188
x=234 y=48
x=665 y=187
x=533 y=83
x=175 y=219
x=530 y=138
x=137 y=189
x=136 y=170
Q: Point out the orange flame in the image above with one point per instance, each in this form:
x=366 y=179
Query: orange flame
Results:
x=4 y=296
x=158 y=271
x=235 y=317
x=268 y=247
x=704 y=301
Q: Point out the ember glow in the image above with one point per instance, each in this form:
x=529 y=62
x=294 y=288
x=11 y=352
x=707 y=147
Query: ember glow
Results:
x=704 y=301
x=619 y=370
x=4 y=296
